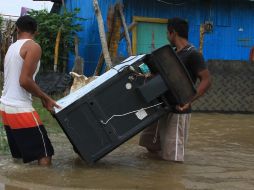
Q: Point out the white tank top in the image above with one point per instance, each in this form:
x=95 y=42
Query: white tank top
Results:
x=13 y=94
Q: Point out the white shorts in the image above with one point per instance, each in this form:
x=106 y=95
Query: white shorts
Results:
x=168 y=137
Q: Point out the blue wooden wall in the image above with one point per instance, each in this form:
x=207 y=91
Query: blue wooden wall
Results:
x=90 y=45
x=231 y=39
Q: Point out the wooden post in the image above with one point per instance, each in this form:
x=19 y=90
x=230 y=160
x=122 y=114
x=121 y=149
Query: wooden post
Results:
x=79 y=61
x=130 y=27
x=115 y=36
x=125 y=30
x=102 y=34
x=110 y=25
x=101 y=59
x=57 y=49
x=201 y=38
x=76 y=42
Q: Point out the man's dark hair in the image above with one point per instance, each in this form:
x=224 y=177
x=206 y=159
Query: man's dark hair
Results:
x=27 y=24
x=180 y=26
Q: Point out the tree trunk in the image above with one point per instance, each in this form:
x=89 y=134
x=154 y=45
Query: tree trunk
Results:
x=115 y=38
x=110 y=24
x=102 y=34
x=130 y=27
x=127 y=36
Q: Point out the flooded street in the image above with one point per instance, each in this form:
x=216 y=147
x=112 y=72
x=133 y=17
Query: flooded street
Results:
x=219 y=156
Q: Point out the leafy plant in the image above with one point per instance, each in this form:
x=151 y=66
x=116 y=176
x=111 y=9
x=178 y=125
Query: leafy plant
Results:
x=1 y=22
x=48 y=27
x=3 y=140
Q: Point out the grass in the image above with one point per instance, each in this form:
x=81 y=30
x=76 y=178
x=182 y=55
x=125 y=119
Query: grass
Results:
x=3 y=141
x=47 y=119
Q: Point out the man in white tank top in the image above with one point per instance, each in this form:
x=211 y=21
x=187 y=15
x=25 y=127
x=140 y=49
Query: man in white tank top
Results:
x=26 y=134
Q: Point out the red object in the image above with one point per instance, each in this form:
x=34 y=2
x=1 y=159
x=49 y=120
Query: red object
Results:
x=252 y=54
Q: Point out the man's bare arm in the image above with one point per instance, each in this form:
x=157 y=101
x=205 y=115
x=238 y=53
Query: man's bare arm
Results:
x=204 y=85
x=31 y=58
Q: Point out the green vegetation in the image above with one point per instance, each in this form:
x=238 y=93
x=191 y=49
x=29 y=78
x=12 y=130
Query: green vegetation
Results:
x=1 y=22
x=48 y=26
x=3 y=140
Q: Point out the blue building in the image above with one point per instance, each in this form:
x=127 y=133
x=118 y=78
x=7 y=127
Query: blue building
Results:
x=229 y=37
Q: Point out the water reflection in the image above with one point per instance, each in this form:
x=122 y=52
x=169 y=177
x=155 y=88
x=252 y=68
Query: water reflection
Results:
x=220 y=155
x=9 y=187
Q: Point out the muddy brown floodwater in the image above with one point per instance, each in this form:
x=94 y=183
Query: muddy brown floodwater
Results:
x=219 y=156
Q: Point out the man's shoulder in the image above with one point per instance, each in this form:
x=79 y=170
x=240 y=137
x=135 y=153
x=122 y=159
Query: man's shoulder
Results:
x=194 y=53
x=193 y=50
x=32 y=45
